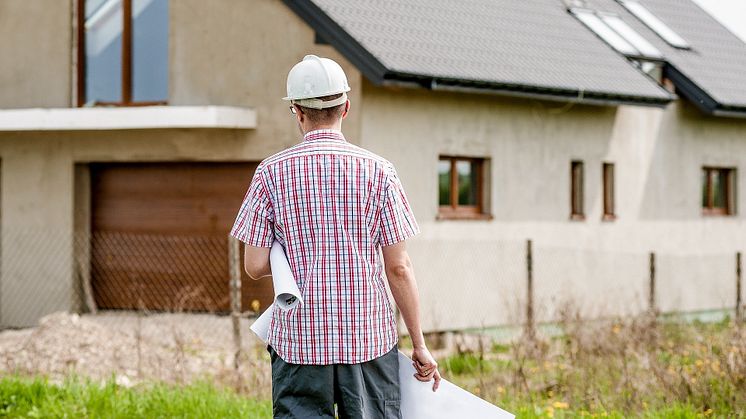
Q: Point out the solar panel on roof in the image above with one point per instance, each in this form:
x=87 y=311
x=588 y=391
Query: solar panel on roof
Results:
x=595 y=24
x=645 y=48
x=657 y=25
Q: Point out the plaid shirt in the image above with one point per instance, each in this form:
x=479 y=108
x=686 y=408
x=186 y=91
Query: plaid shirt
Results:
x=331 y=204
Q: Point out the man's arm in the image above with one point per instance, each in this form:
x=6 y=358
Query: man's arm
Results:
x=400 y=274
x=256 y=262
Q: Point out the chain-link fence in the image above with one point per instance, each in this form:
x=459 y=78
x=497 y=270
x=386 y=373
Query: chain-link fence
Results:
x=176 y=307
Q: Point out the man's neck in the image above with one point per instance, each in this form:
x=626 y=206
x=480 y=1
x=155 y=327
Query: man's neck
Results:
x=336 y=127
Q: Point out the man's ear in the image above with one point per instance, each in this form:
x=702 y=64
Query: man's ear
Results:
x=347 y=110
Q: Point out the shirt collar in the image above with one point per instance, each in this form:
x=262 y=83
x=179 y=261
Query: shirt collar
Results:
x=324 y=134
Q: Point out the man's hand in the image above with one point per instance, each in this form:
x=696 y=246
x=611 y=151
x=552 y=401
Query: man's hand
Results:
x=427 y=368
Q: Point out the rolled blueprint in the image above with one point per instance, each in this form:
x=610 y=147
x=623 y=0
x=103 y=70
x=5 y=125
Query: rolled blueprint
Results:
x=287 y=294
x=418 y=401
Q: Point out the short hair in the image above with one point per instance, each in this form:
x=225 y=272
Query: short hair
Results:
x=326 y=115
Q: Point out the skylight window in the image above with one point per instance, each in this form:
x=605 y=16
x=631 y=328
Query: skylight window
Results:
x=595 y=24
x=657 y=25
x=641 y=44
x=615 y=32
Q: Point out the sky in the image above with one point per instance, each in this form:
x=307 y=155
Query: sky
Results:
x=731 y=13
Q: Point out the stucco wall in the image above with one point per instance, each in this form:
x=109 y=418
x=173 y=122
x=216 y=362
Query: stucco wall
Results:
x=225 y=52
x=36 y=49
x=473 y=273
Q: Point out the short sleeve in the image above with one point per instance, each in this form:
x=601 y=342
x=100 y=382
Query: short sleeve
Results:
x=255 y=220
x=397 y=219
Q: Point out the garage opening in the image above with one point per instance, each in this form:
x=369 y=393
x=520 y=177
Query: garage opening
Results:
x=159 y=236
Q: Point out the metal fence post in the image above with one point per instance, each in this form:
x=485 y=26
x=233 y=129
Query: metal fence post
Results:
x=530 y=327
x=739 y=279
x=234 y=261
x=651 y=286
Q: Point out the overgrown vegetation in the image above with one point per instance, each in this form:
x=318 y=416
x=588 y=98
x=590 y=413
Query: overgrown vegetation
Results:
x=644 y=367
x=636 y=367
x=78 y=398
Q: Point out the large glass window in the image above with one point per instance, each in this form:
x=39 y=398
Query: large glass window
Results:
x=460 y=187
x=124 y=52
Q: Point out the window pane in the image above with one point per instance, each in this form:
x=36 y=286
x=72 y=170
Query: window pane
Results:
x=608 y=179
x=719 y=184
x=705 y=197
x=577 y=188
x=467 y=182
x=444 y=182
x=103 y=50
x=149 y=50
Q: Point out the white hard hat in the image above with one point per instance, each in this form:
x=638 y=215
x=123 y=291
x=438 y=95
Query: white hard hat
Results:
x=316 y=77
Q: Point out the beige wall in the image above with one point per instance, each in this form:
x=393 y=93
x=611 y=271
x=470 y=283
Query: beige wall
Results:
x=473 y=272
x=227 y=52
x=36 y=49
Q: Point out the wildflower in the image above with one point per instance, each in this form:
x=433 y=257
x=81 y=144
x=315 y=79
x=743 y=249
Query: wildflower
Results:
x=708 y=412
x=561 y=405
x=550 y=411
x=500 y=389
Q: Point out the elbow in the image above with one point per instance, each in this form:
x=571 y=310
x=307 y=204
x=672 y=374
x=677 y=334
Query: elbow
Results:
x=400 y=272
x=251 y=270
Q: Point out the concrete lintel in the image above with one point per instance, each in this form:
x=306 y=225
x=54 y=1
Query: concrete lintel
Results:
x=122 y=118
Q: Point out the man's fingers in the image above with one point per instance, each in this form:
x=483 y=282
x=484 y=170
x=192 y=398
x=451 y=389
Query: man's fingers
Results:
x=437 y=380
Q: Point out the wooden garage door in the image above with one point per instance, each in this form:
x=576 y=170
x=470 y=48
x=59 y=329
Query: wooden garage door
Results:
x=160 y=235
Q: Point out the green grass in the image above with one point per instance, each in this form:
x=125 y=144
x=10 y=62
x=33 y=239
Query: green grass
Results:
x=77 y=398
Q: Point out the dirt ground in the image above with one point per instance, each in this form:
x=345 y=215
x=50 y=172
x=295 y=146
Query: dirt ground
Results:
x=133 y=348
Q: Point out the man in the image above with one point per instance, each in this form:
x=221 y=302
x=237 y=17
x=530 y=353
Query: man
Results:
x=333 y=205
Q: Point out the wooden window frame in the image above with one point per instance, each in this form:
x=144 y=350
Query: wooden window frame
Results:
x=454 y=211
x=126 y=59
x=577 y=212
x=730 y=192
x=609 y=191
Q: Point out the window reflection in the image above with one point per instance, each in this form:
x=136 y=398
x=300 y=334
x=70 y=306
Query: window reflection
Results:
x=444 y=182
x=103 y=50
x=467 y=191
x=149 y=50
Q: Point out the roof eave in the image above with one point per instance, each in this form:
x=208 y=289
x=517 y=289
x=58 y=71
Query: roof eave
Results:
x=524 y=91
x=337 y=37
x=699 y=97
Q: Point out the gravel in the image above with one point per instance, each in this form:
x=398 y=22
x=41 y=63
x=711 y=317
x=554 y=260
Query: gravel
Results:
x=132 y=348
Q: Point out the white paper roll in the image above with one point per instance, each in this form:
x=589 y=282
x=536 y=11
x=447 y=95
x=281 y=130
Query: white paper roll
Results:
x=287 y=294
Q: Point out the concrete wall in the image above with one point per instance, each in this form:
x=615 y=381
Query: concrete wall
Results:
x=222 y=52
x=225 y=52
x=472 y=273
x=35 y=45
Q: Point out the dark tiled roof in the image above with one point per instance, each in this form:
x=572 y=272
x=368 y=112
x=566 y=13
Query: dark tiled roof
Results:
x=530 y=47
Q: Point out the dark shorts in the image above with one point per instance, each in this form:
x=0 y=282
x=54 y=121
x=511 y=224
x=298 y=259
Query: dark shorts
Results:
x=366 y=390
